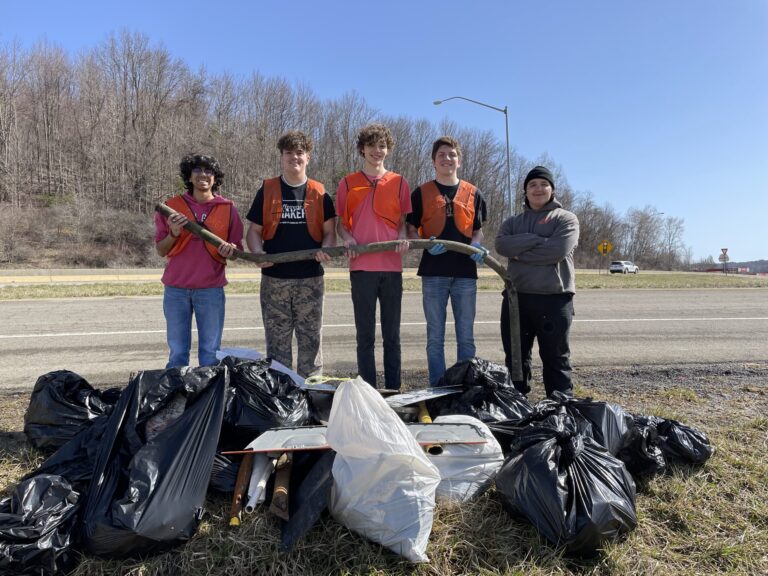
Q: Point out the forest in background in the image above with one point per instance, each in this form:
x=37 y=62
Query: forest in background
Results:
x=90 y=143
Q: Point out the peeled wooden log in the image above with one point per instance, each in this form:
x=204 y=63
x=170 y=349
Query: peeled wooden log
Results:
x=336 y=251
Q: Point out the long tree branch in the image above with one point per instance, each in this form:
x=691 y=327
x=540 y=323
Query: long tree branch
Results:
x=336 y=251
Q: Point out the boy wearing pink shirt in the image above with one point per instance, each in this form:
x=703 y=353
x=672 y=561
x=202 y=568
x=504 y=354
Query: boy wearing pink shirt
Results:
x=194 y=275
x=372 y=205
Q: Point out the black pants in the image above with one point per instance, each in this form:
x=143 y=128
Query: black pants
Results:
x=387 y=288
x=547 y=318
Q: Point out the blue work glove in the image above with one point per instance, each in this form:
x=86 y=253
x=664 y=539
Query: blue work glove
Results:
x=479 y=256
x=437 y=249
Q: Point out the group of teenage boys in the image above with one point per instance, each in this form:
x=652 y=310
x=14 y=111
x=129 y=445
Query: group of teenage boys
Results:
x=293 y=212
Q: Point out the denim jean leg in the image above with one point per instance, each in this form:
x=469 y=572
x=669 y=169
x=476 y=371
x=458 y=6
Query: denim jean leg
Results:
x=463 y=304
x=390 y=304
x=209 y=305
x=434 y=295
x=177 y=308
x=364 y=291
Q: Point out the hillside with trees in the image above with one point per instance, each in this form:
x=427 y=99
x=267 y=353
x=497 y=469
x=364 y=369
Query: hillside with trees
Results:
x=90 y=143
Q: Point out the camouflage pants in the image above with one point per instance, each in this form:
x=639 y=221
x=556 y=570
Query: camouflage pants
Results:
x=291 y=306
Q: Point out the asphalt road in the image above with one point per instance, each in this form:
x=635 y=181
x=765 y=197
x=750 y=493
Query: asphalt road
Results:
x=105 y=339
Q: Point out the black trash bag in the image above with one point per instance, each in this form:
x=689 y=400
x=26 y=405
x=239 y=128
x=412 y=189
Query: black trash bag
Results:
x=224 y=473
x=548 y=413
x=682 y=443
x=60 y=405
x=309 y=499
x=488 y=393
x=568 y=486
x=519 y=434
x=608 y=424
x=76 y=460
x=321 y=403
x=259 y=399
x=147 y=495
x=643 y=456
x=37 y=527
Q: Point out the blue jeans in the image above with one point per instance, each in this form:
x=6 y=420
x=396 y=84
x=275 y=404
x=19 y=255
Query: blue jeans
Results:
x=207 y=304
x=435 y=292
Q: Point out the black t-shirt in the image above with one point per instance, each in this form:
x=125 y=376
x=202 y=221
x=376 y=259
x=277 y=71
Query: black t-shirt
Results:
x=449 y=263
x=292 y=233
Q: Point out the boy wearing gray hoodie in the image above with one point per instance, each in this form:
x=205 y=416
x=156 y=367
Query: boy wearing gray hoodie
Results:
x=539 y=244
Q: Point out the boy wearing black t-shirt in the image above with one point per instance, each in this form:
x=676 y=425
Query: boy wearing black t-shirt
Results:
x=448 y=208
x=289 y=213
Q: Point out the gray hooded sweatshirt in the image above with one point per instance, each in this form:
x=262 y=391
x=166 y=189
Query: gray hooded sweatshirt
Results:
x=540 y=245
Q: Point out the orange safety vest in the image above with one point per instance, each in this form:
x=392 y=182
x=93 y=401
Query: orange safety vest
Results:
x=218 y=222
x=386 y=197
x=273 y=208
x=433 y=209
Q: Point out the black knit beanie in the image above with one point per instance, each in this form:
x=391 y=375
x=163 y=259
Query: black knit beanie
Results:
x=539 y=172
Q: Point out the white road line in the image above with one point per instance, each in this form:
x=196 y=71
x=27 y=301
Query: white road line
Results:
x=667 y=319
x=76 y=334
x=327 y=326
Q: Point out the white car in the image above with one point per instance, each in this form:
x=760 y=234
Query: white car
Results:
x=623 y=267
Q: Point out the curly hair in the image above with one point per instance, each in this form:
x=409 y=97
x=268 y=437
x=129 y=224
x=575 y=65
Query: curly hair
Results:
x=295 y=140
x=371 y=134
x=445 y=141
x=191 y=161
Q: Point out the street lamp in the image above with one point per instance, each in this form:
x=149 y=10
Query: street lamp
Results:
x=506 y=126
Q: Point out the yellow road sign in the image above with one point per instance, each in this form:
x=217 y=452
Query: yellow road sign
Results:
x=604 y=247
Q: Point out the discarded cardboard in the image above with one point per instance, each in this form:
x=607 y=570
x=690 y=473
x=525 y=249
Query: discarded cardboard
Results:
x=313 y=437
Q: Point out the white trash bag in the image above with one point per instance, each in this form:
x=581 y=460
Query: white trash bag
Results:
x=383 y=483
x=467 y=470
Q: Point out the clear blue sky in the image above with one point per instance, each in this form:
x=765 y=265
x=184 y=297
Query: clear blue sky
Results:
x=659 y=102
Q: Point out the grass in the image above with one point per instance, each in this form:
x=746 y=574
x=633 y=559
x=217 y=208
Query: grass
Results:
x=705 y=520
x=667 y=281
x=584 y=281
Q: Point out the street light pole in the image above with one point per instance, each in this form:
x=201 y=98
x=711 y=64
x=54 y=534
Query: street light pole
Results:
x=504 y=110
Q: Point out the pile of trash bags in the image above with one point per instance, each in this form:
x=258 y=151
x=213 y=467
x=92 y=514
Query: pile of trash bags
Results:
x=132 y=468
x=581 y=458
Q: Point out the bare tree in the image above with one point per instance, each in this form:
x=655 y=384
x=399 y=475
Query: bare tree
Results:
x=337 y=151
x=672 y=248
x=596 y=225
x=46 y=91
x=642 y=234
x=13 y=66
x=144 y=82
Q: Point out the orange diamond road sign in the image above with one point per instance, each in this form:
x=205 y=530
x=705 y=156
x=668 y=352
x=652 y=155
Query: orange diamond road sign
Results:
x=604 y=247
